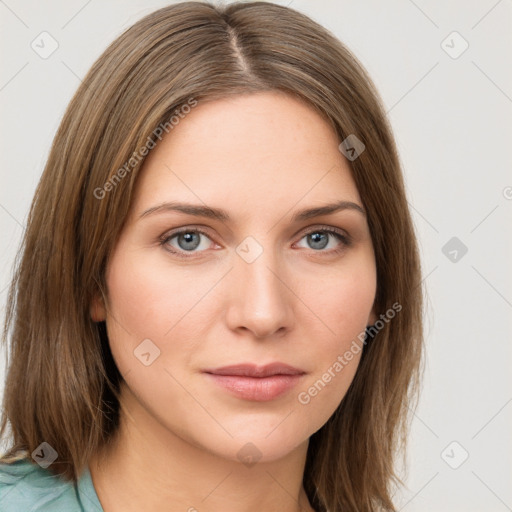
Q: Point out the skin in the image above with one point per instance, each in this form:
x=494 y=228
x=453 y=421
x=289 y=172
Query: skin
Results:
x=261 y=157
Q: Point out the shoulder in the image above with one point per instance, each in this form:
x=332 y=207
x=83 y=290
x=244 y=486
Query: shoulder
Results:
x=25 y=486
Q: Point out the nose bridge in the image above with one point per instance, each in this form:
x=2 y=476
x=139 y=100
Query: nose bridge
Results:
x=257 y=266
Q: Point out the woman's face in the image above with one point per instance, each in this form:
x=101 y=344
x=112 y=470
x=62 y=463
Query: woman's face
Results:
x=262 y=284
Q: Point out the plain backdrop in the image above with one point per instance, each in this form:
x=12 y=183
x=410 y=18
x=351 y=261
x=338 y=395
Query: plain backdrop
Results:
x=444 y=72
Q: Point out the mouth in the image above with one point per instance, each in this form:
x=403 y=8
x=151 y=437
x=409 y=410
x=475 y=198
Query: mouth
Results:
x=256 y=383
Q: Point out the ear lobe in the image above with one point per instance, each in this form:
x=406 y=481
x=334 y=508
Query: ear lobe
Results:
x=97 y=309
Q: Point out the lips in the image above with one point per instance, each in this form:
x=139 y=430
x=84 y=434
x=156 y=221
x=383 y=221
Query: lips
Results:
x=251 y=370
x=256 y=383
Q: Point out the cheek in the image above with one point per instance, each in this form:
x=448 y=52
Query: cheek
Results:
x=147 y=336
x=342 y=306
x=151 y=300
x=140 y=309
x=342 y=300
x=148 y=297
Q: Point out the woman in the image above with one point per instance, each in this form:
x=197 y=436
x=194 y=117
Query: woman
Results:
x=218 y=303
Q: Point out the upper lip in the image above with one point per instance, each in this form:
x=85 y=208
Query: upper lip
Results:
x=252 y=370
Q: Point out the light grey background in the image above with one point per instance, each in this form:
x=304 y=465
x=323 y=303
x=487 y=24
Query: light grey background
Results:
x=452 y=121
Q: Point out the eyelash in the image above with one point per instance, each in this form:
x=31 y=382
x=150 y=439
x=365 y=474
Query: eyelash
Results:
x=340 y=235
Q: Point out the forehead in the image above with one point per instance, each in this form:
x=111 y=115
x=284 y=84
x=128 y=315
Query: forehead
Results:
x=250 y=151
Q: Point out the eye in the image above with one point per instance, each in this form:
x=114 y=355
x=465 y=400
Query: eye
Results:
x=320 y=239
x=186 y=241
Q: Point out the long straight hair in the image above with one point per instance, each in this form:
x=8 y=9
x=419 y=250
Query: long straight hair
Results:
x=62 y=385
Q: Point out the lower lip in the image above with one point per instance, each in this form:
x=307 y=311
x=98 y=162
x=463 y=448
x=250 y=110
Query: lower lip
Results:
x=257 y=389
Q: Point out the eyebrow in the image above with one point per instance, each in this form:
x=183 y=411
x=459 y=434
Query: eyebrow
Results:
x=222 y=215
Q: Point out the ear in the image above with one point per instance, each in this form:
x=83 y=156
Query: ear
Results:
x=373 y=317
x=97 y=309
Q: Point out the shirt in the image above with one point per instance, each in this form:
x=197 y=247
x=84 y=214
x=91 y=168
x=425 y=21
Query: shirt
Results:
x=27 y=487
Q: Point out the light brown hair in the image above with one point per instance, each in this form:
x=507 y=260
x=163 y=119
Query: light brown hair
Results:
x=62 y=384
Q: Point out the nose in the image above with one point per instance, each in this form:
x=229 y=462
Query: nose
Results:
x=260 y=298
